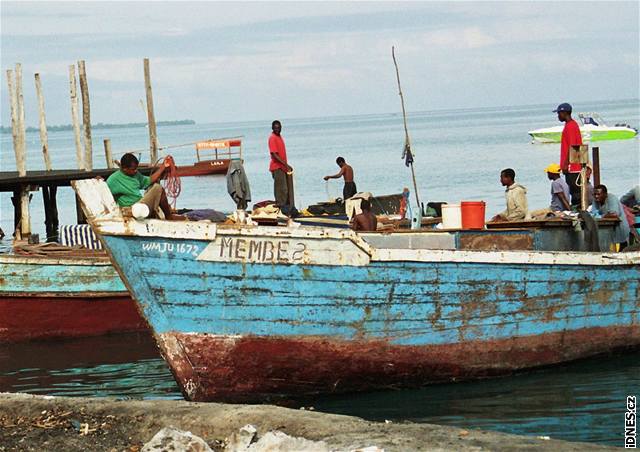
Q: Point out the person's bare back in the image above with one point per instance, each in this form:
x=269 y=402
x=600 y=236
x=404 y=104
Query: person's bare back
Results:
x=365 y=221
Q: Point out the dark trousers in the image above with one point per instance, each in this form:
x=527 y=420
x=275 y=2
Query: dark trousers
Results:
x=280 y=189
x=349 y=190
x=572 y=181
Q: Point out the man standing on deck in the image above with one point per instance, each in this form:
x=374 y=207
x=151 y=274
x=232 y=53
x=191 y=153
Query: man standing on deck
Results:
x=571 y=138
x=346 y=171
x=279 y=167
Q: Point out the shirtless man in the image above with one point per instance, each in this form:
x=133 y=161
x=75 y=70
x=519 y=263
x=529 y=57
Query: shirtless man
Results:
x=347 y=172
x=365 y=221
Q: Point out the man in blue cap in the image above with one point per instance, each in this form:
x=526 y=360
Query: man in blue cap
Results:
x=571 y=138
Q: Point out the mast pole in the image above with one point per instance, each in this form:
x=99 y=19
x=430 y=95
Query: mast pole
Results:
x=407 y=142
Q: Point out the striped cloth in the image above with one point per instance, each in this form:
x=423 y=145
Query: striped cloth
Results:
x=79 y=234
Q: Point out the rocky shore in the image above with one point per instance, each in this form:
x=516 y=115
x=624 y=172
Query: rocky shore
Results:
x=35 y=423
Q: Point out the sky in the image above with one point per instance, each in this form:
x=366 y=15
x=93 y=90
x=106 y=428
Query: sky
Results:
x=229 y=62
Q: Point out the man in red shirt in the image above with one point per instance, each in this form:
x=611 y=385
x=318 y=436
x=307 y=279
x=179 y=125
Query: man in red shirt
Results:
x=571 y=138
x=279 y=167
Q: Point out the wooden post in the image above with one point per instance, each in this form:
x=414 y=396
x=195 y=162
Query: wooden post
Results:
x=596 y=166
x=43 y=124
x=21 y=163
x=15 y=200
x=73 y=92
x=86 y=116
x=583 y=188
x=13 y=99
x=153 y=137
x=107 y=153
x=21 y=157
x=53 y=214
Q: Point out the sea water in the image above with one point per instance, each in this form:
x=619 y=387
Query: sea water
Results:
x=458 y=156
x=580 y=401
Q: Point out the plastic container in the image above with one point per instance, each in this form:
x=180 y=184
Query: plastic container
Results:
x=472 y=214
x=451 y=216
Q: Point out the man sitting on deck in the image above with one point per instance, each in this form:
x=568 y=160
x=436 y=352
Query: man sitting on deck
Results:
x=516 y=198
x=346 y=171
x=607 y=205
x=365 y=221
x=560 y=194
x=126 y=183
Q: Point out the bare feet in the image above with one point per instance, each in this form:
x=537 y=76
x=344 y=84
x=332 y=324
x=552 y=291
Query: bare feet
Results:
x=176 y=217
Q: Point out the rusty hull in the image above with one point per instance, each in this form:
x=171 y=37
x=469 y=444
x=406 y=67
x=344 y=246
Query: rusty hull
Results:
x=258 y=369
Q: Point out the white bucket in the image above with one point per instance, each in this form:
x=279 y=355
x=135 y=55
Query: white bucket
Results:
x=451 y=216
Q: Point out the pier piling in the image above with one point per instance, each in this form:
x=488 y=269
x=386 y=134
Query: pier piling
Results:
x=44 y=140
x=21 y=156
x=153 y=137
x=73 y=93
x=86 y=116
x=107 y=152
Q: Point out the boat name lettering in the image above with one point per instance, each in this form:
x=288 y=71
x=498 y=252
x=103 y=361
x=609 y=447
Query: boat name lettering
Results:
x=261 y=250
x=168 y=247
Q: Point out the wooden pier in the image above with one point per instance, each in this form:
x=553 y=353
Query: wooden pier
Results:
x=21 y=183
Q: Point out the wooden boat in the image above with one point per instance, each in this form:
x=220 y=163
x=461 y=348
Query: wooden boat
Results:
x=258 y=313
x=42 y=298
x=213 y=157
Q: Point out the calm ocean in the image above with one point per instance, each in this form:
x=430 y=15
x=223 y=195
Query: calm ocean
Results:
x=459 y=155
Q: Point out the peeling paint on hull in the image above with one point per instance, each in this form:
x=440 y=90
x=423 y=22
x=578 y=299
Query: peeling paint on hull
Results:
x=254 y=368
x=242 y=331
x=253 y=313
x=43 y=298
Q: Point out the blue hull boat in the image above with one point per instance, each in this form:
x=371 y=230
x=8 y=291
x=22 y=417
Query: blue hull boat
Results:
x=259 y=313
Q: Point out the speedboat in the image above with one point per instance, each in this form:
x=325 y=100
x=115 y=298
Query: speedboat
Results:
x=592 y=128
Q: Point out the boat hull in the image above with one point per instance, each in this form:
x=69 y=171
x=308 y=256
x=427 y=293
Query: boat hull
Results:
x=43 y=298
x=258 y=368
x=204 y=168
x=233 y=328
x=589 y=134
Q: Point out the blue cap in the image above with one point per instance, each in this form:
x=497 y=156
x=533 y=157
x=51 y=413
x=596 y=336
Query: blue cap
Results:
x=563 y=107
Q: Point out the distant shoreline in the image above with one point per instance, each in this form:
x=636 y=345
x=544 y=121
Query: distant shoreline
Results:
x=100 y=125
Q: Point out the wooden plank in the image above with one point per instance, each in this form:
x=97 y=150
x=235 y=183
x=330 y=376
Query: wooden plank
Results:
x=86 y=116
x=153 y=137
x=9 y=180
x=73 y=92
x=43 y=124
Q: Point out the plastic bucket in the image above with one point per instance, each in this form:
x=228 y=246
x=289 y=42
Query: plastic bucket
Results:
x=451 y=216
x=472 y=214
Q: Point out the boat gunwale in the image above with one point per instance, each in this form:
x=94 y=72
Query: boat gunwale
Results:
x=10 y=258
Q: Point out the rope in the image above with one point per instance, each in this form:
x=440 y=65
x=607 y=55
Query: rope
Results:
x=171 y=180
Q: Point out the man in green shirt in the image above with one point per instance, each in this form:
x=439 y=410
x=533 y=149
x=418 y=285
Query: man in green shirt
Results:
x=125 y=186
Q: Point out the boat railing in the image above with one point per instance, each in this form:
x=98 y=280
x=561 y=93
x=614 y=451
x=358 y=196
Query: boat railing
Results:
x=223 y=148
